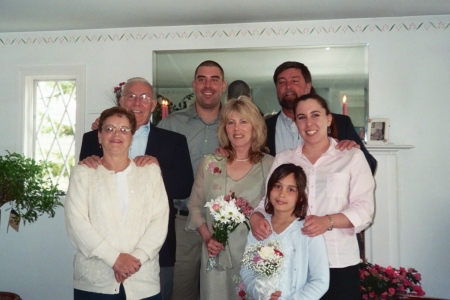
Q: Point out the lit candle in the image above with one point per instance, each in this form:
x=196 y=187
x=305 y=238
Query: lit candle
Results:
x=344 y=105
x=165 y=108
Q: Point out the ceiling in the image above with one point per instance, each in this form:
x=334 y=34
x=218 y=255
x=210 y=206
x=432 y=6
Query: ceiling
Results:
x=56 y=15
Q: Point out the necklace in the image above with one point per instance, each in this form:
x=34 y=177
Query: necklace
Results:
x=241 y=159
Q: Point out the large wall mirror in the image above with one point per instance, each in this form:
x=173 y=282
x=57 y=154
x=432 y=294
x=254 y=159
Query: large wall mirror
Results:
x=337 y=71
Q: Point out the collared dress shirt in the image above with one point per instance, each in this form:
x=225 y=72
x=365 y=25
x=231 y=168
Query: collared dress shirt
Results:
x=139 y=143
x=287 y=136
x=201 y=137
x=339 y=182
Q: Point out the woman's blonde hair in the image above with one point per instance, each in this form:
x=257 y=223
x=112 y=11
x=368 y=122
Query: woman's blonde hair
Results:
x=248 y=111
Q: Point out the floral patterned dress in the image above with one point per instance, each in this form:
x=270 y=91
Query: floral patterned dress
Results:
x=212 y=181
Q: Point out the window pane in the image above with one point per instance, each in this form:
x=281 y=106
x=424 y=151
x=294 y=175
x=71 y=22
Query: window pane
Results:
x=55 y=117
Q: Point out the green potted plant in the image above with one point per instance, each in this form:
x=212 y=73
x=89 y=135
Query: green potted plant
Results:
x=25 y=186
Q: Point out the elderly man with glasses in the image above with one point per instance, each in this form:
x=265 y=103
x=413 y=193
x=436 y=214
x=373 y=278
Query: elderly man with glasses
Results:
x=152 y=145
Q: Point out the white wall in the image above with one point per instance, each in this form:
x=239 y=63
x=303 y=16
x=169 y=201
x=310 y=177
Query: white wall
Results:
x=409 y=65
x=36 y=262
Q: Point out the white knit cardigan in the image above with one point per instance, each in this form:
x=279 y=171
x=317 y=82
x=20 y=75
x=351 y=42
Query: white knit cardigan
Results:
x=96 y=228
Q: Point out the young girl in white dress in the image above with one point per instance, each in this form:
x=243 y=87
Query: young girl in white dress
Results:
x=305 y=271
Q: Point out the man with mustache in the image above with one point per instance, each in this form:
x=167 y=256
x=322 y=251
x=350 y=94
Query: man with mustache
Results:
x=292 y=80
x=199 y=124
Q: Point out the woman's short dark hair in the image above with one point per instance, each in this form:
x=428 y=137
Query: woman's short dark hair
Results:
x=323 y=103
x=117 y=111
x=281 y=172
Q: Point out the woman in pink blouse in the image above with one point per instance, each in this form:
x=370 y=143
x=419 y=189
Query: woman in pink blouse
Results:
x=340 y=193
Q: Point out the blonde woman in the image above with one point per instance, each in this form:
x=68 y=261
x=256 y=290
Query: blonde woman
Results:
x=242 y=134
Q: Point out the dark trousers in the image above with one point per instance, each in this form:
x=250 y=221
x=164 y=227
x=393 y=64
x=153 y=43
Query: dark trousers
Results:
x=83 y=295
x=166 y=282
x=344 y=284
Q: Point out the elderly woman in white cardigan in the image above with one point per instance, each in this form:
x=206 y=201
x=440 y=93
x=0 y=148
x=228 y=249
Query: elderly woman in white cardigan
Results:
x=116 y=218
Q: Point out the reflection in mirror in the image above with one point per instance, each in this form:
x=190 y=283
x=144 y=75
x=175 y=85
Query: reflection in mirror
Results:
x=337 y=71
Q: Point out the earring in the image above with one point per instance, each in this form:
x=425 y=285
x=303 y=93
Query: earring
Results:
x=329 y=130
x=100 y=146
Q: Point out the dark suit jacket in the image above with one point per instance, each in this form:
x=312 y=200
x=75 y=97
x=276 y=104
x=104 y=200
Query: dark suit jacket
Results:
x=172 y=152
x=346 y=131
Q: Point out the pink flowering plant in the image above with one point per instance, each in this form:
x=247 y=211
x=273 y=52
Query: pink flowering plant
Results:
x=383 y=283
x=118 y=91
x=228 y=212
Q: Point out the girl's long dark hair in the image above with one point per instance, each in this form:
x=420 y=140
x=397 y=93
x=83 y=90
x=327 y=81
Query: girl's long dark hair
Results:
x=301 y=206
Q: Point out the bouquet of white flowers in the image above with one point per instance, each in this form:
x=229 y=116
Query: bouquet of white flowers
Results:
x=266 y=261
x=228 y=212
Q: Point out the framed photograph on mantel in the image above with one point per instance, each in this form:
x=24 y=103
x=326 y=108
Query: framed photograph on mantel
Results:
x=377 y=131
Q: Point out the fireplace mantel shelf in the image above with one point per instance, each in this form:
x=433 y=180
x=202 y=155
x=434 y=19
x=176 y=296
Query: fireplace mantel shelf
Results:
x=389 y=148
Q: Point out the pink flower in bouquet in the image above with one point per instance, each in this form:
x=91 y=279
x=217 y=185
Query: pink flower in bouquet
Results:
x=227 y=216
x=246 y=208
x=256 y=259
x=278 y=252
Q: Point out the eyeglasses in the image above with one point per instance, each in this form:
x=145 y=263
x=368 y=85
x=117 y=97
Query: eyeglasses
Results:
x=144 y=98
x=112 y=129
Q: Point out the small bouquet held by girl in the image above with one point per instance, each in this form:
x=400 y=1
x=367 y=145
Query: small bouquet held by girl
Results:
x=266 y=262
x=229 y=212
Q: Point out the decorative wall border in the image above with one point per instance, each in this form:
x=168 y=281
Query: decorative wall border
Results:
x=183 y=34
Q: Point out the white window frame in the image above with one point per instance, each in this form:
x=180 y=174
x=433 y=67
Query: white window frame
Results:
x=27 y=76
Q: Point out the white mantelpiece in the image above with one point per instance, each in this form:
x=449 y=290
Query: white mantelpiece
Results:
x=382 y=239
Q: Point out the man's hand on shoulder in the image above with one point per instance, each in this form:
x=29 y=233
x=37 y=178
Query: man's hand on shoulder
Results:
x=95 y=124
x=91 y=161
x=221 y=151
x=260 y=226
x=347 y=144
x=143 y=160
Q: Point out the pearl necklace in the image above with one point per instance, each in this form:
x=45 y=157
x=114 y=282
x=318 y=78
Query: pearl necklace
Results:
x=241 y=159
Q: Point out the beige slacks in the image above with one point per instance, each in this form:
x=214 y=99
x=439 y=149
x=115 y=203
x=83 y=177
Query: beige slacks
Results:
x=186 y=273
